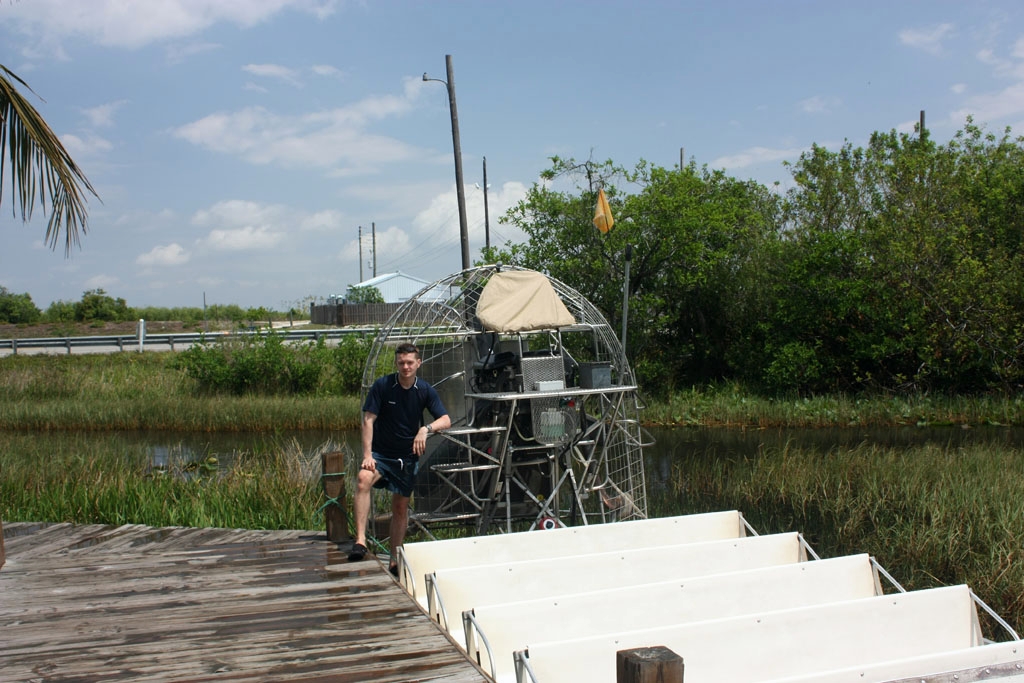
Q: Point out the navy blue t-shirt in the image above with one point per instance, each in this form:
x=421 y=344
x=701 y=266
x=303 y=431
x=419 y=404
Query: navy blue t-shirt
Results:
x=399 y=413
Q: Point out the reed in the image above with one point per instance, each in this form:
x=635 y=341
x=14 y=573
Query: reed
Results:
x=183 y=413
x=90 y=484
x=931 y=515
x=734 y=406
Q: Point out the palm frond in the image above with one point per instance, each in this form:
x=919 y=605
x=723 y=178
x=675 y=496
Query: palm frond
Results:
x=40 y=168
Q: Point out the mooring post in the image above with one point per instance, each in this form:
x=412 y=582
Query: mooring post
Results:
x=648 y=665
x=333 y=475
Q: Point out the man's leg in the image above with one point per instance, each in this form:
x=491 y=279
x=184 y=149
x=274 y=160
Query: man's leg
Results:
x=399 y=523
x=361 y=503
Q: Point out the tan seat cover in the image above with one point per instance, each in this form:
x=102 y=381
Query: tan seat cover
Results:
x=521 y=300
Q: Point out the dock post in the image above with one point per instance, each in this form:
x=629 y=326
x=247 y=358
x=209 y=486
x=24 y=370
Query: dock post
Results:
x=3 y=558
x=648 y=665
x=333 y=475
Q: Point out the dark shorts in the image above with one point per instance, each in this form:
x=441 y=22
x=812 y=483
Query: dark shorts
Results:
x=396 y=474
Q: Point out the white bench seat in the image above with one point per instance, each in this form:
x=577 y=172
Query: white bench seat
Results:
x=791 y=642
x=453 y=591
x=419 y=559
x=1001 y=662
x=510 y=626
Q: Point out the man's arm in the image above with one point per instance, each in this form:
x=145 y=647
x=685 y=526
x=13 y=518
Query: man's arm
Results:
x=419 y=444
x=367 y=433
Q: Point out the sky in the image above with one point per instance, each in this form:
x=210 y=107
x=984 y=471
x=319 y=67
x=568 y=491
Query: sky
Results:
x=240 y=147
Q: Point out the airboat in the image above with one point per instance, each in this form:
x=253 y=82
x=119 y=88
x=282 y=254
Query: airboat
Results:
x=544 y=407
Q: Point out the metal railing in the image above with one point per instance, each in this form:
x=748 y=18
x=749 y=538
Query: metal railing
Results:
x=171 y=342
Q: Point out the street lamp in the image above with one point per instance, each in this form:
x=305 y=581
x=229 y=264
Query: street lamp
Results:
x=487 y=221
x=460 y=191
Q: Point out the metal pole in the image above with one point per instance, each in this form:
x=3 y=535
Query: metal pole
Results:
x=360 y=253
x=487 y=222
x=460 y=189
x=625 y=312
x=373 y=227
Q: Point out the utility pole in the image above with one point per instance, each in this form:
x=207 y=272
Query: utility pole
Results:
x=360 y=253
x=487 y=222
x=460 y=190
x=374 y=228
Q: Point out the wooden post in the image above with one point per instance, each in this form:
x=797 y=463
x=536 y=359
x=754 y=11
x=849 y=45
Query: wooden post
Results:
x=2 y=557
x=648 y=665
x=333 y=470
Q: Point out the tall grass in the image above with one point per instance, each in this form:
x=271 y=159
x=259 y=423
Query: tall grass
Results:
x=86 y=483
x=147 y=391
x=733 y=406
x=932 y=515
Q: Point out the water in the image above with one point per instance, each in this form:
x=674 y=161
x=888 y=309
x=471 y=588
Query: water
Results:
x=162 y=449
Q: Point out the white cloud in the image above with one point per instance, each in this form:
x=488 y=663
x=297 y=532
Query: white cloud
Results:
x=1008 y=102
x=243 y=239
x=79 y=147
x=135 y=23
x=276 y=71
x=958 y=88
x=819 y=104
x=239 y=212
x=101 y=281
x=753 y=156
x=928 y=39
x=102 y=116
x=179 y=53
x=323 y=220
x=169 y=255
x=325 y=70
x=319 y=139
x=237 y=224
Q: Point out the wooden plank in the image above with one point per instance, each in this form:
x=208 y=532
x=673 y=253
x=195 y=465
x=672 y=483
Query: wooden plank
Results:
x=145 y=604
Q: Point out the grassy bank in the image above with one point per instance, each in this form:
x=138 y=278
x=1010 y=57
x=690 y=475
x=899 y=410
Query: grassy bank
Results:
x=931 y=515
x=147 y=391
x=731 y=406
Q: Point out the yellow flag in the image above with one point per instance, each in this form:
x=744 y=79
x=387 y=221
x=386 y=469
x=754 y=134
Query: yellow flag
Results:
x=603 y=220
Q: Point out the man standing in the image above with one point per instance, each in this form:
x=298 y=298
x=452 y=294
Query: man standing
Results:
x=393 y=441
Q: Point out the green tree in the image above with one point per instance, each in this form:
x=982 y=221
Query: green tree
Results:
x=17 y=308
x=60 y=312
x=96 y=305
x=901 y=269
x=41 y=169
x=363 y=295
x=695 y=235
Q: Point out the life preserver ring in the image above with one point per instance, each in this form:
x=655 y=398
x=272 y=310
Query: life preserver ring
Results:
x=547 y=523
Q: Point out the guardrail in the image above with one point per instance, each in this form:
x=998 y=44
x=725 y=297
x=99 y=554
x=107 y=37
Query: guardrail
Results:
x=171 y=342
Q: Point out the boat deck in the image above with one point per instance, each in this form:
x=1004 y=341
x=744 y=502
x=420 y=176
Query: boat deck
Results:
x=98 y=602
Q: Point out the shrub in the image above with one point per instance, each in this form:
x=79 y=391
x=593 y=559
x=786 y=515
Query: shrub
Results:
x=17 y=308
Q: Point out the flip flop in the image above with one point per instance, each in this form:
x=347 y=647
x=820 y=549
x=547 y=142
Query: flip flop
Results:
x=394 y=570
x=357 y=553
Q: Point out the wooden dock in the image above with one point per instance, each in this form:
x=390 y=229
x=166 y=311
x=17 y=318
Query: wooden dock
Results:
x=96 y=602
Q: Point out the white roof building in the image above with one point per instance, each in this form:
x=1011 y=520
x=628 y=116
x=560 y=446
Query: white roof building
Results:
x=395 y=287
